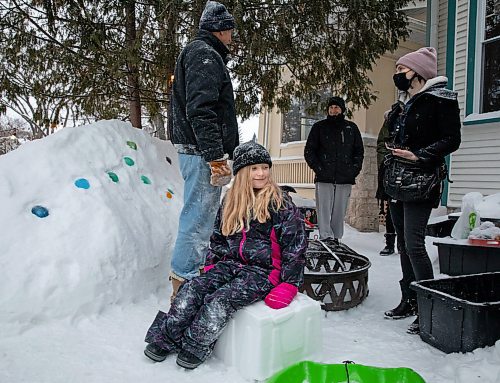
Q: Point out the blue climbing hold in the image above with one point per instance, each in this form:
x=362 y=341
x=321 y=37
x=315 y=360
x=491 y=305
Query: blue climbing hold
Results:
x=40 y=211
x=82 y=183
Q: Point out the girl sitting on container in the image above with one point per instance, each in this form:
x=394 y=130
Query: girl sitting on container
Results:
x=257 y=252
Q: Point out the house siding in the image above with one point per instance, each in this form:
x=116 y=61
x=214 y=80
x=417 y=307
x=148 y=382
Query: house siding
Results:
x=460 y=73
x=442 y=36
x=474 y=165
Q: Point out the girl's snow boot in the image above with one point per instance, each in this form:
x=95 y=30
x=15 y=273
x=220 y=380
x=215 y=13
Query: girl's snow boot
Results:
x=154 y=352
x=187 y=360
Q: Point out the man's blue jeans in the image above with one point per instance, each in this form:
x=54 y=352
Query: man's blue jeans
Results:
x=196 y=222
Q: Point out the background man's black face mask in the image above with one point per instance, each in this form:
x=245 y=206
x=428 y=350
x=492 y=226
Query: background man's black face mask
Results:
x=337 y=117
x=401 y=82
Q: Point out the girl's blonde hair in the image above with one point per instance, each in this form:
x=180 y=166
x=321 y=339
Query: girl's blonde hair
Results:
x=242 y=204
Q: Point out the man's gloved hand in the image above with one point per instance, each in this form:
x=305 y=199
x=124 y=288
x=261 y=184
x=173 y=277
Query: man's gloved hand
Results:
x=221 y=173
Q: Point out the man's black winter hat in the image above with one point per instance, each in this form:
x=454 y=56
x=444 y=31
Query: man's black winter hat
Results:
x=337 y=101
x=215 y=17
x=250 y=153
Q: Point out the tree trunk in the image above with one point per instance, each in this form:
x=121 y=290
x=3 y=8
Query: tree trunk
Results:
x=133 y=71
x=169 y=34
x=159 y=124
x=197 y=10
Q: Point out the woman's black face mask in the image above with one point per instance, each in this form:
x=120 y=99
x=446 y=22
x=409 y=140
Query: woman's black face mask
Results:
x=401 y=82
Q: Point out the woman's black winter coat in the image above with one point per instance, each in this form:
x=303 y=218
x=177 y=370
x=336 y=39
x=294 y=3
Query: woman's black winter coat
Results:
x=428 y=126
x=204 y=116
x=334 y=151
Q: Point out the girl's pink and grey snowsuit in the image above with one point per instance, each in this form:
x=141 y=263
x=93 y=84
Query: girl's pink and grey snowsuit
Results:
x=246 y=266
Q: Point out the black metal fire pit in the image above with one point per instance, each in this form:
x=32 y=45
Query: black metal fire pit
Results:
x=335 y=275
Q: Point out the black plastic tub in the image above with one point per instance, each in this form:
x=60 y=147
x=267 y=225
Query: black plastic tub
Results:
x=440 y=229
x=459 y=314
x=465 y=258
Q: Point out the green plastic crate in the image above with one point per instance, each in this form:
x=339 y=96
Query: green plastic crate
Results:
x=311 y=372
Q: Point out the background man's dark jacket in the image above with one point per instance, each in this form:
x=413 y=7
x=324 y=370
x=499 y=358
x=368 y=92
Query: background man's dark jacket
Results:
x=204 y=117
x=334 y=151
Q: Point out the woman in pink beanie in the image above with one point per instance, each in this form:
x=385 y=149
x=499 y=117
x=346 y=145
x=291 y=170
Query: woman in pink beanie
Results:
x=424 y=127
x=257 y=252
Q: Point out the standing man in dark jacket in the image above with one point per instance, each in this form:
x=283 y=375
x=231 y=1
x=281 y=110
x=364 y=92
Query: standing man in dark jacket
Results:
x=205 y=133
x=334 y=151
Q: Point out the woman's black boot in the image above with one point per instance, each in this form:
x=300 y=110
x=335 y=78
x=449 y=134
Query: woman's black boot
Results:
x=154 y=352
x=406 y=308
x=389 y=244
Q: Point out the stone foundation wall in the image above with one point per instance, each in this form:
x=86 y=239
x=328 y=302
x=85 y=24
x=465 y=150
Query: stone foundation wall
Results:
x=363 y=209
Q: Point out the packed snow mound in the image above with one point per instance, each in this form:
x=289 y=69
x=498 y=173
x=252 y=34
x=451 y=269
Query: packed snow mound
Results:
x=112 y=199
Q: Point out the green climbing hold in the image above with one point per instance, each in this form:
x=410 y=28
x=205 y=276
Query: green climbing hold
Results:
x=132 y=145
x=129 y=161
x=146 y=180
x=113 y=176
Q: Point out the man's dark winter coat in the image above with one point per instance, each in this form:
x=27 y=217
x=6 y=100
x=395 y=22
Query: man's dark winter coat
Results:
x=204 y=117
x=334 y=151
x=429 y=126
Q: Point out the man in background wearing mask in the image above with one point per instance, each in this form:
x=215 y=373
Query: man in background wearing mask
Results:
x=334 y=151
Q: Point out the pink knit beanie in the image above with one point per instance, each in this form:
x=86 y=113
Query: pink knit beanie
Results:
x=423 y=61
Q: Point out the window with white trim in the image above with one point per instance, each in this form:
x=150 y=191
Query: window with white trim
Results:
x=297 y=122
x=490 y=58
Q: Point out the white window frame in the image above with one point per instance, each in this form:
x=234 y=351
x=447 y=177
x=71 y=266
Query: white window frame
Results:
x=476 y=115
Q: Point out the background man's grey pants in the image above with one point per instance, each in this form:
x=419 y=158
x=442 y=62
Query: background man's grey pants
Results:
x=331 y=202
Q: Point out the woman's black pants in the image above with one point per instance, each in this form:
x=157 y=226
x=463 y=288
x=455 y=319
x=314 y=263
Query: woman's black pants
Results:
x=410 y=221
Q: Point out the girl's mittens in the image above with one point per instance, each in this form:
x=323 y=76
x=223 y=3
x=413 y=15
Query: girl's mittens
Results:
x=281 y=296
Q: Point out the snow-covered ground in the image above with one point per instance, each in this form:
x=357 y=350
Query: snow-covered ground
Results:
x=79 y=288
